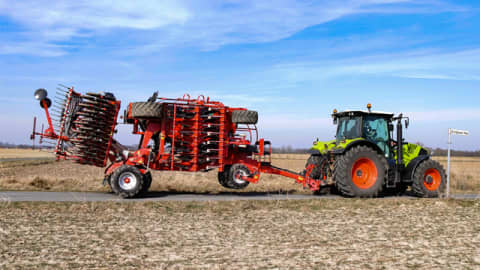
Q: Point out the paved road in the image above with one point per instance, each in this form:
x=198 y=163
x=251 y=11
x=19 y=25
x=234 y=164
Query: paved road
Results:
x=38 y=196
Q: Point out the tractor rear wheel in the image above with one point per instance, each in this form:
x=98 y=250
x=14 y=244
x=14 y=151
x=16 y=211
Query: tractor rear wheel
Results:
x=127 y=181
x=360 y=172
x=429 y=179
x=146 y=110
x=234 y=175
x=244 y=117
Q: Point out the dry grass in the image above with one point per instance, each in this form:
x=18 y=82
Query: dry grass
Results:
x=341 y=233
x=465 y=173
x=67 y=176
x=24 y=153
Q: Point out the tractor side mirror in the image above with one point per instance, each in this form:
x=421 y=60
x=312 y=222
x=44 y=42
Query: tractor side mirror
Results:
x=407 y=122
x=335 y=120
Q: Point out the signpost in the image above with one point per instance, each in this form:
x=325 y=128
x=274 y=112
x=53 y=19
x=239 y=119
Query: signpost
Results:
x=450 y=132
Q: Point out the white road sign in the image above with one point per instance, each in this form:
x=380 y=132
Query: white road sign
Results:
x=457 y=131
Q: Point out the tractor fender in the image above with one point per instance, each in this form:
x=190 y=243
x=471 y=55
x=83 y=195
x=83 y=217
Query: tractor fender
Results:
x=314 y=152
x=370 y=144
x=412 y=165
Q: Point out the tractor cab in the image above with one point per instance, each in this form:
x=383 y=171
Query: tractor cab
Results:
x=369 y=125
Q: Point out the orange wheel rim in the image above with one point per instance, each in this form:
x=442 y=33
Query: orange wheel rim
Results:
x=364 y=173
x=432 y=179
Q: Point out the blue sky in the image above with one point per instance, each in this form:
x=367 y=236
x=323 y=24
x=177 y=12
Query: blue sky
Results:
x=292 y=61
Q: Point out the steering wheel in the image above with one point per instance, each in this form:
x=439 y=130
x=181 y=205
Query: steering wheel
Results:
x=370 y=132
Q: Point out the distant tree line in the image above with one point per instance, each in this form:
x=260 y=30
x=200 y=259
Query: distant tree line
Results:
x=434 y=151
x=290 y=150
x=443 y=152
x=22 y=146
x=277 y=150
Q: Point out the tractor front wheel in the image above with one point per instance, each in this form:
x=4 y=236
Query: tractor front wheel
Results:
x=127 y=181
x=360 y=172
x=429 y=179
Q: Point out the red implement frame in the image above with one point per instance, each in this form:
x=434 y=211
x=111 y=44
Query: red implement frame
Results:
x=68 y=101
x=191 y=135
x=199 y=135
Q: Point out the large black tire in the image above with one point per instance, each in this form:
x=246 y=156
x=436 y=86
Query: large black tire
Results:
x=232 y=181
x=146 y=110
x=147 y=183
x=360 y=172
x=429 y=179
x=244 y=117
x=127 y=181
x=320 y=171
x=222 y=177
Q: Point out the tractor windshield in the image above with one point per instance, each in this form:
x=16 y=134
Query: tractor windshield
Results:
x=349 y=128
x=375 y=129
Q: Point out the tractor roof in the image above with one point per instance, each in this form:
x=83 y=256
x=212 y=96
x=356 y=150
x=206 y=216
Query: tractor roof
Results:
x=363 y=113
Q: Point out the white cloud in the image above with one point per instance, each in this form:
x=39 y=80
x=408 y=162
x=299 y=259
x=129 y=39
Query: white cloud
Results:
x=204 y=24
x=421 y=65
x=69 y=16
x=44 y=23
x=461 y=114
x=32 y=48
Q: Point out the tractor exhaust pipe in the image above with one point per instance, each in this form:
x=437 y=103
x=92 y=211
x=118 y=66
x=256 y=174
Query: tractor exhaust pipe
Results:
x=399 y=141
x=399 y=166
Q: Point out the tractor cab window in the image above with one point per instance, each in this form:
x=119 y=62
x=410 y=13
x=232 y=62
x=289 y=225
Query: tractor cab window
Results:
x=349 y=128
x=375 y=129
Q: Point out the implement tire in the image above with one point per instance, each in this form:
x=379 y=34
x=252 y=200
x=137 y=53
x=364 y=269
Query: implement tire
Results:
x=233 y=181
x=127 y=181
x=222 y=177
x=146 y=110
x=147 y=183
x=320 y=171
x=360 y=172
x=244 y=117
x=429 y=179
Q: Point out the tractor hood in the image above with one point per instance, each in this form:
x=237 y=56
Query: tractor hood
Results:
x=326 y=146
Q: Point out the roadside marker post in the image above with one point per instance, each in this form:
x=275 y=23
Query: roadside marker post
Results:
x=451 y=132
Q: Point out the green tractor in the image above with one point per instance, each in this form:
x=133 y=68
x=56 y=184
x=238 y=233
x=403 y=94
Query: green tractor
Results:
x=365 y=160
